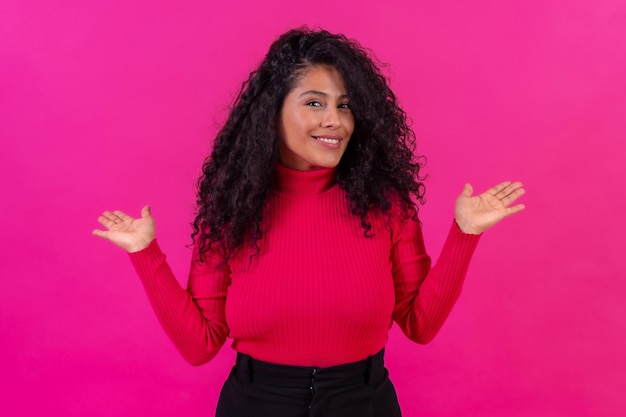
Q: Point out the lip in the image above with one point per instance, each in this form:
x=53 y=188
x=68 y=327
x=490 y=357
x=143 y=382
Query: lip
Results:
x=339 y=138
x=328 y=145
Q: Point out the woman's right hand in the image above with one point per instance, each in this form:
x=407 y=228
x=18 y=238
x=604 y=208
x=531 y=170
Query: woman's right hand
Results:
x=126 y=232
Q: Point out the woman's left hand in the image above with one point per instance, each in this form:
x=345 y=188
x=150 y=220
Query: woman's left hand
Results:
x=475 y=214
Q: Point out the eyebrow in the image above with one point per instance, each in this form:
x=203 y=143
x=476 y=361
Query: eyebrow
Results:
x=320 y=93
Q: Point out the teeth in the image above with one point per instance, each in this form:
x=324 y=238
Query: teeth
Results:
x=326 y=140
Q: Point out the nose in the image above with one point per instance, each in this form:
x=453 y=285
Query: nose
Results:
x=331 y=118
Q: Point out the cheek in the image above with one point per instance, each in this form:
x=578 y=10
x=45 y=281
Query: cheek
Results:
x=297 y=124
x=293 y=133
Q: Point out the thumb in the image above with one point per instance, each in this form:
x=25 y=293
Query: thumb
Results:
x=467 y=190
x=100 y=233
x=145 y=212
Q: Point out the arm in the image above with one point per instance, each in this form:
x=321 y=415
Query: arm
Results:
x=425 y=296
x=194 y=319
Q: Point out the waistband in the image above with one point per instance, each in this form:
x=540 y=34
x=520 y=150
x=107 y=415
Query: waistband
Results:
x=367 y=370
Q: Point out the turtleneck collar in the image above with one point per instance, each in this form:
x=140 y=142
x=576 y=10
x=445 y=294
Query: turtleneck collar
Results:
x=296 y=183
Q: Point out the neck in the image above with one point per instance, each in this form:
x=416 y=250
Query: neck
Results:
x=294 y=182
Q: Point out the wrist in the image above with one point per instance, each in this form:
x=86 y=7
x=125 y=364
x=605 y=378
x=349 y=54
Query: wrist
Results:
x=467 y=228
x=139 y=246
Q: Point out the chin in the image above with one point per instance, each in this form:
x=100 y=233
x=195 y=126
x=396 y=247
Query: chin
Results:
x=328 y=164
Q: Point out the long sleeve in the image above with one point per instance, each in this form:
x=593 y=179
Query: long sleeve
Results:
x=424 y=295
x=194 y=319
x=318 y=292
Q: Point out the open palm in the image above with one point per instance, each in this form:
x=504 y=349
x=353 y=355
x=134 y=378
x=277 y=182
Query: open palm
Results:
x=475 y=214
x=127 y=232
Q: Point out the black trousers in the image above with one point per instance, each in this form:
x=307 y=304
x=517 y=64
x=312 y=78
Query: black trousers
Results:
x=261 y=389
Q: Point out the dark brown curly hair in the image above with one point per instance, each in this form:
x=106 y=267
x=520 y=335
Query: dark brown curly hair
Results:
x=378 y=166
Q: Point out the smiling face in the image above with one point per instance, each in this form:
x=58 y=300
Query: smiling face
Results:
x=315 y=122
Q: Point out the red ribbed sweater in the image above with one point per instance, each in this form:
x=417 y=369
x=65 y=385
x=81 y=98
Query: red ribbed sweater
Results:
x=319 y=293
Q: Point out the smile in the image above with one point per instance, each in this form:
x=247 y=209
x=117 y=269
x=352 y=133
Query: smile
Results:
x=332 y=141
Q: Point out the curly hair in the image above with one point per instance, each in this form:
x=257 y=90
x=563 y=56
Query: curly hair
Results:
x=378 y=167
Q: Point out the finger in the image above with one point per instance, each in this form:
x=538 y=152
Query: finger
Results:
x=512 y=187
x=514 y=195
x=100 y=233
x=121 y=215
x=467 y=190
x=111 y=216
x=515 y=209
x=106 y=222
x=494 y=191
x=145 y=212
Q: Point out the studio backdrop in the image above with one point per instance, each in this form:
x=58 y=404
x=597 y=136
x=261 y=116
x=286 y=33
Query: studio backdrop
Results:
x=114 y=104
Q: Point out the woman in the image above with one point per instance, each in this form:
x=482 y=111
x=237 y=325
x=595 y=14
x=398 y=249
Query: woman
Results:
x=307 y=243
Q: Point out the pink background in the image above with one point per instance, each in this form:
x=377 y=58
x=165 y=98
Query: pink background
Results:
x=113 y=104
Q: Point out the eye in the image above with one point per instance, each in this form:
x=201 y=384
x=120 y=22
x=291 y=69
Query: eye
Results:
x=345 y=106
x=314 y=103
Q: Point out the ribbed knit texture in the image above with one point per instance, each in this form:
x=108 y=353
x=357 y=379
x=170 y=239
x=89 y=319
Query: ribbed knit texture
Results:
x=319 y=293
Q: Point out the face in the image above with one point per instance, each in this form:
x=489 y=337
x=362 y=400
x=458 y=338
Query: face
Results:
x=316 y=121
